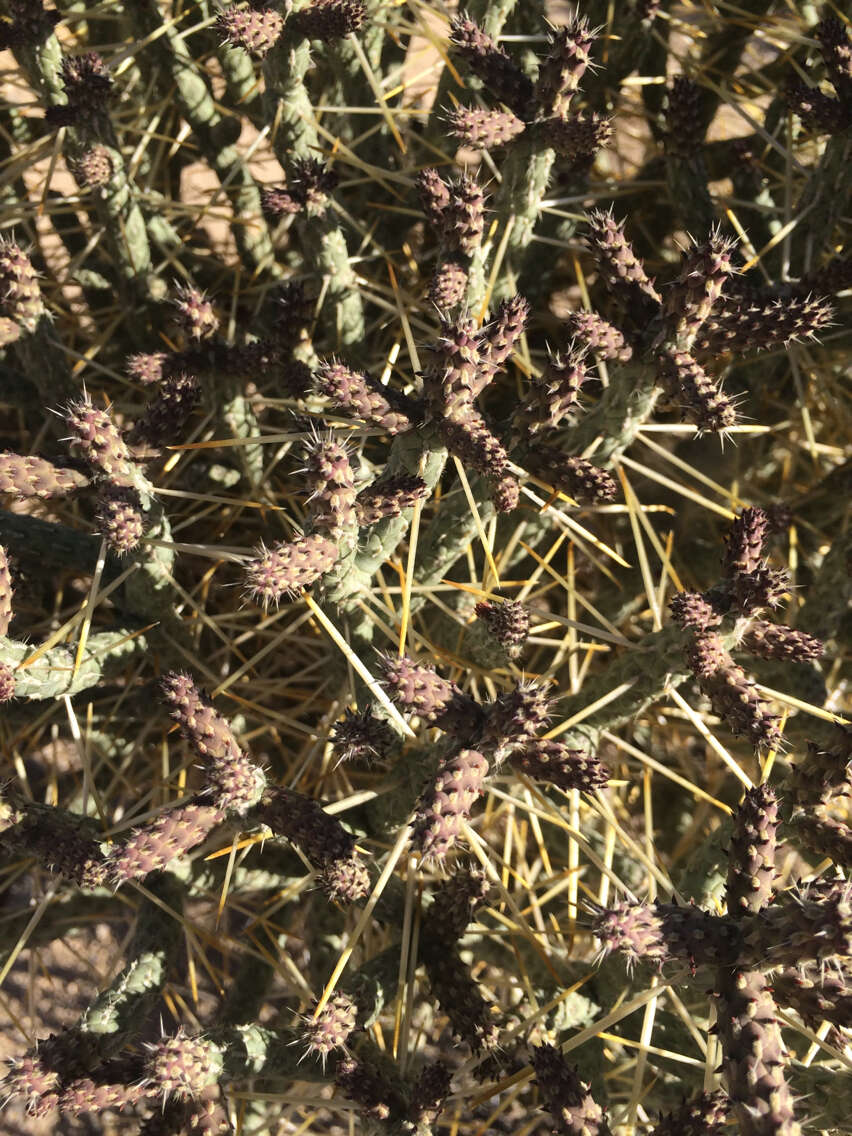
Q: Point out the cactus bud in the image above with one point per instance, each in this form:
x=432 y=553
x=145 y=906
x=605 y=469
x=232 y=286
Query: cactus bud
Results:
x=120 y=518
x=420 y=690
x=557 y=764
x=701 y=398
x=327 y=845
x=194 y=313
x=169 y=836
x=236 y=781
x=563 y=67
x=621 y=268
x=358 y=394
x=459 y=996
x=690 y=609
x=587 y=483
x=99 y=440
x=330 y=1029
x=389 y=498
x=448 y=284
x=93 y=168
x=361 y=736
x=774 y=641
x=182 y=1066
x=599 y=336
x=751 y=862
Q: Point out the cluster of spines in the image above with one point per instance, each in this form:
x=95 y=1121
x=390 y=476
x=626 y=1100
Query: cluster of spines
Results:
x=742 y=324
x=164 y=418
x=389 y=497
x=663 y=934
x=364 y=398
x=98 y=440
x=691 y=298
x=817 y=994
x=704 y=1115
x=751 y=870
x=754 y=1055
x=180 y=1072
x=120 y=517
x=183 y=1066
x=370 y=1085
x=194 y=313
x=88 y=87
x=309 y=185
x=329 y=848
x=328 y=20
x=552 y=397
x=420 y=690
x=454 y=901
x=29 y=476
x=622 y=270
x=257 y=28
x=748 y=586
x=598 y=335
x=490 y=734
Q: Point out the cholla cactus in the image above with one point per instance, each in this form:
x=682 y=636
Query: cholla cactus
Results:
x=447 y=801
x=567 y=1098
x=323 y=839
x=169 y=836
x=182 y=1066
x=21 y=303
x=270 y=335
x=508 y=623
x=235 y=781
x=328 y=1030
x=35 y=477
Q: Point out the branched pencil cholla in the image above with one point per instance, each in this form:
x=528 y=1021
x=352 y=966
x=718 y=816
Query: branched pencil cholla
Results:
x=424 y=567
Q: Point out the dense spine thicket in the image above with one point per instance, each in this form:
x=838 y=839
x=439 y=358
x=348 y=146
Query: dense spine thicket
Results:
x=424 y=567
